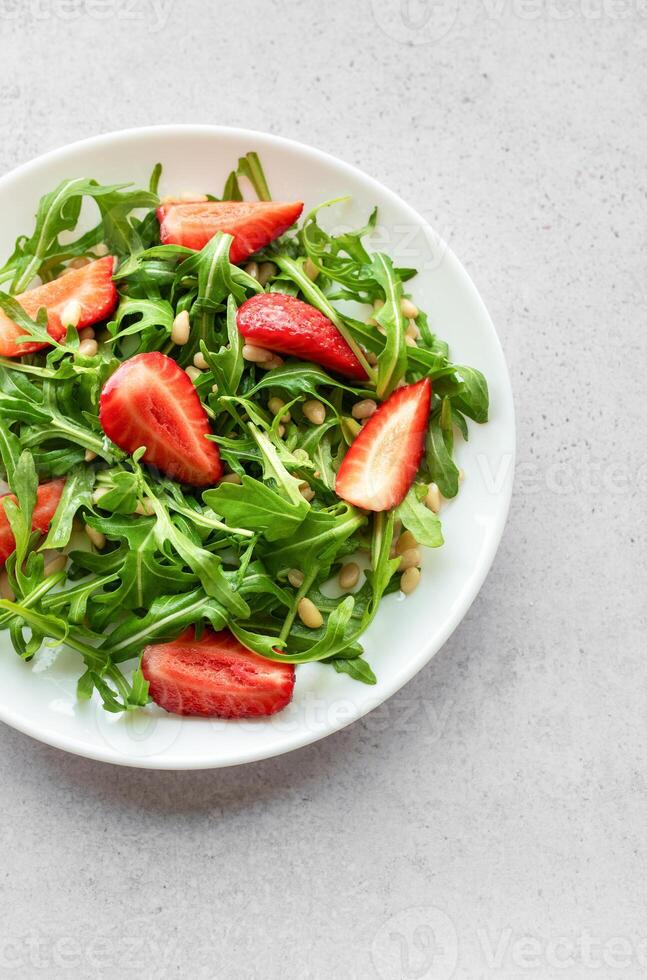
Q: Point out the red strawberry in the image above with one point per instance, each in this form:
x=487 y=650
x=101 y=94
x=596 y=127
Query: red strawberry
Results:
x=91 y=286
x=253 y=224
x=381 y=464
x=287 y=325
x=215 y=675
x=47 y=498
x=150 y=401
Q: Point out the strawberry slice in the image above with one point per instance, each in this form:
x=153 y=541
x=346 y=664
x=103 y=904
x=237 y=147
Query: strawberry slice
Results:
x=47 y=498
x=91 y=286
x=382 y=462
x=253 y=224
x=215 y=675
x=150 y=401
x=287 y=325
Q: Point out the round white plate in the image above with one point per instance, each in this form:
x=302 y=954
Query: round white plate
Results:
x=39 y=698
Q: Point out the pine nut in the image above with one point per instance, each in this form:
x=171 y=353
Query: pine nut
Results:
x=410 y=580
x=409 y=341
x=461 y=476
x=275 y=405
x=145 y=508
x=412 y=330
x=214 y=389
x=89 y=455
x=266 y=271
x=364 y=409
x=97 y=538
x=193 y=372
x=200 y=361
x=409 y=309
x=296 y=577
x=349 y=576
x=309 y=614
x=193 y=197
x=378 y=304
x=87 y=333
x=280 y=430
x=274 y=362
x=314 y=411
x=55 y=565
x=409 y=559
x=306 y=491
x=231 y=478
x=88 y=348
x=101 y=249
x=432 y=500
x=310 y=269
x=72 y=314
x=372 y=322
x=371 y=358
x=406 y=541
x=79 y=263
x=252 y=269
x=258 y=355
x=181 y=328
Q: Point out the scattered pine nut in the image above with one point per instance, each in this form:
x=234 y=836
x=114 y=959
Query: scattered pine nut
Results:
x=87 y=333
x=89 y=455
x=99 y=493
x=410 y=580
x=101 y=249
x=306 y=491
x=193 y=372
x=314 y=411
x=266 y=271
x=409 y=559
x=406 y=541
x=231 y=478
x=193 y=197
x=309 y=614
x=252 y=269
x=349 y=576
x=310 y=269
x=258 y=355
x=461 y=476
x=181 y=328
x=280 y=430
x=79 y=263
x=72 y=314
x=409 y=341
x=378 y=304
x=371 y=358
x=275 y=405
x=214 y=389
x=97 y=538
x=274 y=362
x=56 y=564
x=409 y=309
x=88 y=348
x=432 y=500
x=364 y=409
x=296 y=577
x=412 y=330
x=200 y=361
x=145 y=508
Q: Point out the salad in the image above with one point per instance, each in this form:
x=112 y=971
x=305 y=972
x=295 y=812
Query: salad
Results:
x=226 y=434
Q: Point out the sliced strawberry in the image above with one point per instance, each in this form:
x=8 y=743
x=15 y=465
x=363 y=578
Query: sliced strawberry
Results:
x=47 y=498
x=253 y=224
x=215 y=675
x=381 y=464
x=287 y=325
x=150 y=401
x=92 y=287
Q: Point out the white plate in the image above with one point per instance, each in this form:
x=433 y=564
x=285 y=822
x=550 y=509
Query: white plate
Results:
x=39 y=699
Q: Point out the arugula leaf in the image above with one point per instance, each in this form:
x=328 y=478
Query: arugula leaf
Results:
x=422 y=522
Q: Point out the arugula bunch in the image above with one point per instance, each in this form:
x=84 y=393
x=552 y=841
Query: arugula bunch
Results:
x=225 y=557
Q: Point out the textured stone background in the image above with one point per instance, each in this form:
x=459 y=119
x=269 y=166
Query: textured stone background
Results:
x=496 y=827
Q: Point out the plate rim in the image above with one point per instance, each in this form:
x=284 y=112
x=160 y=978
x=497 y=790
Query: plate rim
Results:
x=291 y=742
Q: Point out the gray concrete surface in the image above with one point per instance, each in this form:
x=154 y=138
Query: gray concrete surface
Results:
x=496 y=827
